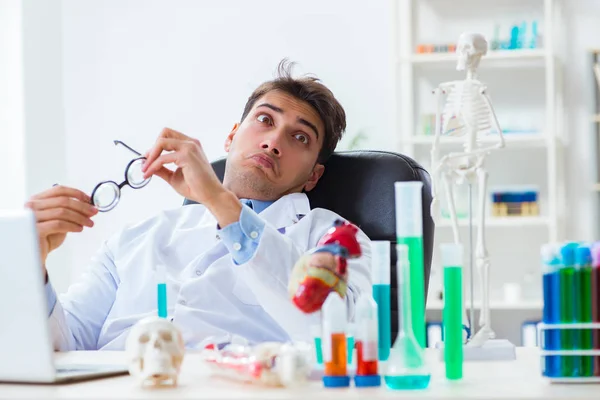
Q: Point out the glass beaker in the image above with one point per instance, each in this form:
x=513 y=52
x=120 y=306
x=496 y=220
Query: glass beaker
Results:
x=406 y=367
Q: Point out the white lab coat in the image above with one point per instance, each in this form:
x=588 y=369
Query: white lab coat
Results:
x=208 y=294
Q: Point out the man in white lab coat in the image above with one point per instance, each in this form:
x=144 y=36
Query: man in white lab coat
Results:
x=228 y=259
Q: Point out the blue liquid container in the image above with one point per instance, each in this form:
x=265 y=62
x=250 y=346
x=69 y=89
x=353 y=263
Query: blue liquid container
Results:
x=551 y=311
x=514 y=38
x=406 y=368
x=534 y=35
x=162 y=300
x=318 y=350
x=380 y=277
x=408 y=382
x=350 y=342
x=381 y=294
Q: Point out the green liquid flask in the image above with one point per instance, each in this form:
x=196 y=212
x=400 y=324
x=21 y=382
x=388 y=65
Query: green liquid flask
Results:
x=409 y=231
x=453 y=343
x=406 y=367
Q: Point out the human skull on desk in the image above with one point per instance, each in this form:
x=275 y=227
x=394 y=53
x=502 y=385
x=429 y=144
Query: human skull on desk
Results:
x=155 y=351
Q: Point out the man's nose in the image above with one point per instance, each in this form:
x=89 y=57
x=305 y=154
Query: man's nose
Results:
x=273 y=143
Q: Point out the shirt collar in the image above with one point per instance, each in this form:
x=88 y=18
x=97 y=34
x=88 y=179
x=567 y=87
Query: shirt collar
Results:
x=257 y=205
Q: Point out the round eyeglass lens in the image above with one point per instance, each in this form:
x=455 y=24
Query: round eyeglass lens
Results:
x=106 y=196
x=135 y=176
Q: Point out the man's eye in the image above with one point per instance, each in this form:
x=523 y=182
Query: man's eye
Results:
x=263 y=118
x=302 y=138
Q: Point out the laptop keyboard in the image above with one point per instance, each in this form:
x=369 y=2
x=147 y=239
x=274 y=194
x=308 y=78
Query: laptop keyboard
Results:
x=74 y=369
x=67 y=370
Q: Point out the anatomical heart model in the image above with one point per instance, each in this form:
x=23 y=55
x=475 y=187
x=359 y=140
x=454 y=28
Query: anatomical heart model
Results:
x=324 y=268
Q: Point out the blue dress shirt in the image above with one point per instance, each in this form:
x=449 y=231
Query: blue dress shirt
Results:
x=242 y=237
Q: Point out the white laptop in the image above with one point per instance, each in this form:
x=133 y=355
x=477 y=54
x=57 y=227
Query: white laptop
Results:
x=26 y=353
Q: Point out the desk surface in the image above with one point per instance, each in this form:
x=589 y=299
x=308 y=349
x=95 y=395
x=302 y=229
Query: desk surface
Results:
x=508 y=379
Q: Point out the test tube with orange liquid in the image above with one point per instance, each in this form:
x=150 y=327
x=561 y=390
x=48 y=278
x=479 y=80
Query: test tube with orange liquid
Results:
x=335 y=352
x=367 y=340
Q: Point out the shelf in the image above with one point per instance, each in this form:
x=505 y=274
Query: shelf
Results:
x=596 y=187
x=511 y=140
x=499 y=222
x=518 y=55
x=596 y=118
x=436 y=305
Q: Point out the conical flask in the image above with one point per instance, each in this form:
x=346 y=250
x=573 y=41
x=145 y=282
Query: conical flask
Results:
x=406 y=367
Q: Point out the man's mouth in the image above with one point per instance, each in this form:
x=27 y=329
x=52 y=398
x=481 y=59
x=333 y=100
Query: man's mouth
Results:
x=263 y=160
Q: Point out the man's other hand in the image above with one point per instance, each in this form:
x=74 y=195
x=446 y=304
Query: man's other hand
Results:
x=194 y=177
x=58 y=211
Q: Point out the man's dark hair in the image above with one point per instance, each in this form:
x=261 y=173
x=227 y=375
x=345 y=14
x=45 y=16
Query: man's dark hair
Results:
x=310 y=90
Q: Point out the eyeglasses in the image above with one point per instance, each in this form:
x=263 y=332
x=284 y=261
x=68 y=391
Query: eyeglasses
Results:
x=106 y=195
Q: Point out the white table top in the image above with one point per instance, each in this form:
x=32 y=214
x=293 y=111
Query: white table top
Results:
x=506 y=379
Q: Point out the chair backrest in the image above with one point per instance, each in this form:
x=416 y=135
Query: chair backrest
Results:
x=359 y=186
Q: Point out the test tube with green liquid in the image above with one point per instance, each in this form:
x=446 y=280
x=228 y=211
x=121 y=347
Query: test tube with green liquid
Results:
x=583 y=306
x=568 y=337
x=452 y=260
x=406 y=368
x=409 y=231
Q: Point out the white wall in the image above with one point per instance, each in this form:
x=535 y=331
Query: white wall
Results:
x=584 y=34
x=133 y=67
x=129 y=68
x=45 y=150
x=12 y=157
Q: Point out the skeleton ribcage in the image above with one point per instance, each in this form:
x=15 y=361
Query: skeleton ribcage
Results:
x=465 y=106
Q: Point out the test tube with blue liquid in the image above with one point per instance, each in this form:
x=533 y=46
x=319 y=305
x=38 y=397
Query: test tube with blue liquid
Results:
x=315 y=331
x=406 y=367
x=583 y=307
x=551 y=313
x=380 y=276
x=161 y=285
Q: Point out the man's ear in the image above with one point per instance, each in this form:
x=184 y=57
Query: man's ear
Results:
x=314 y=177
x=230 y=137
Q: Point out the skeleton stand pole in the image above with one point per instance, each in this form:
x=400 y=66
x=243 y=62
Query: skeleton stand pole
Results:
x=471 y=273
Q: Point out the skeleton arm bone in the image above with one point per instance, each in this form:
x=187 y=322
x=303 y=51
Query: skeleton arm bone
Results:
x=488 y=102
x=435 y=153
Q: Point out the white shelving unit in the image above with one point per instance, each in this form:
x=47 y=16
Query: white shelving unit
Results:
x=494 y=305
x=493 y=55
x=509 y=222
x=594 y=59
x=546 y=141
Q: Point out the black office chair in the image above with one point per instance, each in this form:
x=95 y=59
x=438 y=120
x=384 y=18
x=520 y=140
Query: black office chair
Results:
x=359 y=186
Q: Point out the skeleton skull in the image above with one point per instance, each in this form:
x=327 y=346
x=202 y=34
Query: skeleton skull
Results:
x=470 y=48
x=155 y=351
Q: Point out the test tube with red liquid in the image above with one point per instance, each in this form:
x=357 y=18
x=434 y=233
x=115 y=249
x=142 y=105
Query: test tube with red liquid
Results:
x=367 y=340
x=334 y=346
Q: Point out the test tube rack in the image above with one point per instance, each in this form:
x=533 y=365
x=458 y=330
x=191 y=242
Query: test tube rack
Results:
x=574 y=354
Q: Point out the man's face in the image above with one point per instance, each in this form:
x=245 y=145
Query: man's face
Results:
x=273 y=152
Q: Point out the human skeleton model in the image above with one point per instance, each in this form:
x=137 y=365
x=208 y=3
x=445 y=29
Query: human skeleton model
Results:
x=467 y=113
